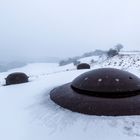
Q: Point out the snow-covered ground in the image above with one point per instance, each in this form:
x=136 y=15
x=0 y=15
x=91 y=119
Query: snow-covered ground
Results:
x=27 y=113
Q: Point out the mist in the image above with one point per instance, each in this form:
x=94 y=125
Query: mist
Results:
x=38 y=29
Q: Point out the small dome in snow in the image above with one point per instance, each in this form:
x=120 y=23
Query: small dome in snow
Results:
x=16 y=78
x=83 y=66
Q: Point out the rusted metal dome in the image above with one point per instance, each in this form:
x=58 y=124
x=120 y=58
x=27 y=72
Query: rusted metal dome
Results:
x=16 y=78
x=83 y=66
x=105 y=91
x=106 y=82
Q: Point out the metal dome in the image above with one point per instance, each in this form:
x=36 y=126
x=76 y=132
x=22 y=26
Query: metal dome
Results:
x=106 y=82
x=105 y=91
x=83 y=66
x=16 y=78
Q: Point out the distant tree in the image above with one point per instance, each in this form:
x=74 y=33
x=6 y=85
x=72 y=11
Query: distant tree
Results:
x=118 y=47
x=68 y=61
x=92 y=61
x=99 y=52
x=62 y=63
x=88 y=54
x=94 y=53
x=112 y=52
x=76 y=62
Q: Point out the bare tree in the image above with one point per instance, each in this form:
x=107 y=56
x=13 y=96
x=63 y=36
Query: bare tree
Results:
x=118 y=47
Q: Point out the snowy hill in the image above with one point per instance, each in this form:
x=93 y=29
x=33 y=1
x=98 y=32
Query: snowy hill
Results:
x=123 y=62
x=27 y=113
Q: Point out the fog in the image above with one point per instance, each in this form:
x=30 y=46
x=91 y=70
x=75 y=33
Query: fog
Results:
x=62 y=28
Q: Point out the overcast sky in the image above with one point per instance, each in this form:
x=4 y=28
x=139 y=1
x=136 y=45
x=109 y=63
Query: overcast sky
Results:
x=66 y=28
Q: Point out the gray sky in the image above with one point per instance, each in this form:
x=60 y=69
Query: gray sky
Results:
x=62 y=28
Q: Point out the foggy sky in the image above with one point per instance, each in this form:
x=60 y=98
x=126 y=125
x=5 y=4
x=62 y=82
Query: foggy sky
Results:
x=63 y=28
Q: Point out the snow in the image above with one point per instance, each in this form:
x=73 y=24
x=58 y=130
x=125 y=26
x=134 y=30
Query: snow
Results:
x=130 y=52
x=88 y=59
x=27 y=113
